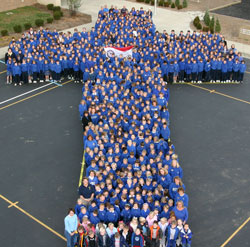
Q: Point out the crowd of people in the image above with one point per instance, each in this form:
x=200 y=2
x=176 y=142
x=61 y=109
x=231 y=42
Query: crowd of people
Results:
x=46 y=55
x=133 y=193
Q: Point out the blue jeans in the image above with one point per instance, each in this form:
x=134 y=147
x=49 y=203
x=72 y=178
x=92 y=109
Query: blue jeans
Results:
x=71 y=240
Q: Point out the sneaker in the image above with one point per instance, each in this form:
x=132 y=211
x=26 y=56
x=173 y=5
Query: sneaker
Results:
x=15 y=84
x=41 y=80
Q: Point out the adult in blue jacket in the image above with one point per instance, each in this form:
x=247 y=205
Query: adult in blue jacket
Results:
x=181 y=212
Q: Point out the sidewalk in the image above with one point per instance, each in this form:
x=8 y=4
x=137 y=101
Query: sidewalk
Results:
x=164 y=19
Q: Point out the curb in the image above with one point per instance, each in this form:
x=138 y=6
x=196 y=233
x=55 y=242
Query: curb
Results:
x=225 y=6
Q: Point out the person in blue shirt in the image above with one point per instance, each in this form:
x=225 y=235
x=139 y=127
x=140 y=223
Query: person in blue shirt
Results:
x=111 y=215
x=242 y=70
x=236 y=70
x=58 y=71
x=9 y=71
x=24 y=69
x=126 y=214
x=194 y=71
x=176 y=70
x=70 y=223
x=213 y=69
x=218 y=70
x=102 y=213
x=188 y=71
x=186 y=236
x=181 y=212
x=200 y=70
x=172 y=234
x=93 y=218
x=171 y=72
x=76 y=69
x=16 y=72
x=137 y=239
x=207 y=71
x=181 y=196
x=40 y=67
x=224 y=71
x=182 y=70
x=229 y=69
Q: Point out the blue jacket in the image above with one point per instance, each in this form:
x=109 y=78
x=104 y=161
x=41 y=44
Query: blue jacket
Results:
x=58 y=68
x=224 y=68
x=24 y=67
x=236 y=67
x=102 y=215
x=243 y=67
x=188 y=68
x=111 y=217
x=194 y=68
x=207 y=67
x=175 y=235
x=94 y=219
x=185 y=234
x=137 y=240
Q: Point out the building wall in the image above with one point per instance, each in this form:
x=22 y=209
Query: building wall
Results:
x=13 y=4
x=6 y=5
x=45 y=2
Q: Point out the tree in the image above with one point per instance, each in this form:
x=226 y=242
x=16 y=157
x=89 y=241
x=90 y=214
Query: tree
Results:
x=185 y=4
x=177 y=3
x=217 y=26
x=206 y=18
x=74 y=5
x=211 y=25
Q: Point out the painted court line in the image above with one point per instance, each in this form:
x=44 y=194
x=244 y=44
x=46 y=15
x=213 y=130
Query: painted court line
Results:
x=32 y=217
x=82 y=169
x=3 y=71
x=219 y=93
x=34 y=95
x=237 y=230
x=20 y=95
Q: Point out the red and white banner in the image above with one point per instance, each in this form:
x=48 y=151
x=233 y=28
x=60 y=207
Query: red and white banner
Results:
x=115 y=51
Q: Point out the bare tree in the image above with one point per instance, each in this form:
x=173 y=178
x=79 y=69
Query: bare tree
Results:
x=74 y=5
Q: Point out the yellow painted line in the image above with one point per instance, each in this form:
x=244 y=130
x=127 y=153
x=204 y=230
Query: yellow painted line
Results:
x=34 y=95
x=82 y=169
x=13 y=204
x=3 y=71
x=237 y=230
x=248 y=72
x=224 y=6
x=33 y=218
x=207 y=83
x=219 y=93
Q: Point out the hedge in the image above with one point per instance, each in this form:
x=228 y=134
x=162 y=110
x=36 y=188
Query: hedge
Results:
x=39 y=22
x=4 y=32
x=17 y=28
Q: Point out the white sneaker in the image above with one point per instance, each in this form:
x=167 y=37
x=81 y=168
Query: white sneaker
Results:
x=41 y=80
x=15 y=84
x=34 y=81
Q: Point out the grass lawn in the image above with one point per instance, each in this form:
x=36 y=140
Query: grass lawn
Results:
x=21 y=16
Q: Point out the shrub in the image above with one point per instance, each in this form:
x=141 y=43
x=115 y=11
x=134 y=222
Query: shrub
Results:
x=166 y=4
x=185 y=4
x=199 y=26
x=50 y=19
x=217 y=26
x=205 y=29
x=161 y=3
x=39 y=22
x=177 y=3
x=57 y=15
x=206 y=18
x=4 y=32
x=27 y=26
x=152 y=2
x=172 y=5
x=211 y=25
x=50 y=6
x=179 y=6
x=196 y=21
x=56 y=8
x=147 y=1
x=17 y=28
